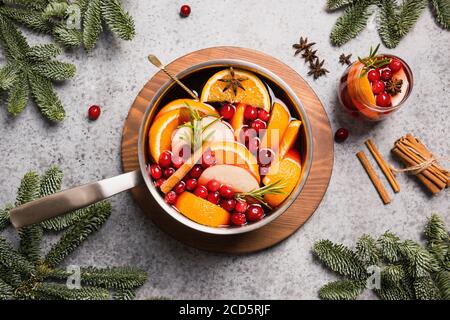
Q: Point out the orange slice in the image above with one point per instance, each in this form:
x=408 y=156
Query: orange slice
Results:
x=235 y=153
x=356 y=83
x=288 y=172
x=278 y=124
x=201 y=210
x=289 y=138
x=160 y=135
x=255 y=92
x=238 y=119
x=203 y=108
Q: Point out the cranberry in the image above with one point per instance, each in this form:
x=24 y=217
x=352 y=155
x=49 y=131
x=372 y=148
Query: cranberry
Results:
x=241 y=206
x=171 y=197
x=265 y=156
x=227 y=111
x=253 y=145
x=165 y=159
x=185 y=11
x=377 y=87
x=386 y=75
x=263 y=115
x=228 y=204
x=201 y=192
x=196 y=171
x=155 y=171
x=395 y=65
x=384 y=100
x=341 y=135
x=373 y=75
x=226 y=191
x=159 y=182
x=258 y=124
x=238 y=219
x=250 y=113
x=94 y=112
x=168 y=172
x=208 y=160
x=213 y=197
x=191 y=184
x=213 y=185
x=264 y=170
x=255 y=213
x=177 y=162
x=180 y=187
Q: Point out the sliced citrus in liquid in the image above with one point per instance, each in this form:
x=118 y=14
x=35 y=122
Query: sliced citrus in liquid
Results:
x=289 y=138
x=203 y=108
x=278 y=124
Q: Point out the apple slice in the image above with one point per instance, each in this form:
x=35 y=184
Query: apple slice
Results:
x=398 y=98
x=216 y=130
x=238 y=178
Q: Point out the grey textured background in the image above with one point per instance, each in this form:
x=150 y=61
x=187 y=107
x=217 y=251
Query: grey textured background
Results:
x=115 y=71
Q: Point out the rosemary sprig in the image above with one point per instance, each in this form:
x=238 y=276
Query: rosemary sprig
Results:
x=258 y=194
x=372 y=61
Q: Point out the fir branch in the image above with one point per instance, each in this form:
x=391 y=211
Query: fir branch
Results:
x=420 y=261
x=337 y=4
x=77 y=233
x=51 y=181
x=442 y=281
x=117 y=19
x=392 y=274
x=8 y=76
x=69 y=38
x=60 y=291
x=390 y=247
x=6 y=291
x=55 y=70
x=92 y=24
x=10 y=276
x=18 y=95
x=425 y=289
x=409 y=13
x=56 y=9
x=62 y=222
x=342 y=290
x=435 y=230
x=393 y=292
x=30 y=18
x=43 y=52
x=367 y=251
x=35 y=4
x=441 y=9
x=13 y=261
x=125 y=294
x=4 y=217
x=113 y=277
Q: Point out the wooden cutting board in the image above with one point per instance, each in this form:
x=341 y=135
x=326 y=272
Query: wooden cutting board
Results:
x=298 y=213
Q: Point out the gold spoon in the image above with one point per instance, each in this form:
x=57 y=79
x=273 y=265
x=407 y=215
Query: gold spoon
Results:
x=157 y=63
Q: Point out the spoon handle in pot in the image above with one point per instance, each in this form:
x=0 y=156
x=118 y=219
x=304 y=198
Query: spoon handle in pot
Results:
x=72 y=199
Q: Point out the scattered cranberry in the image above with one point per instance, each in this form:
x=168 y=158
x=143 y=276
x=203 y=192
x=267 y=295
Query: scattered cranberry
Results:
x=185 y=11
x=241 y=206
x=196 y=171
x=263 y=115
x=159 y=182
x=168 y=172
x=165 y=159
x=177 y=162
x=227 y=111
x=180 y=187
x=373 y=75
x=191 y=184
x=258 y=124
x=226 y=191
x=250 y=113
x=265 y=156
x=377 y=87
x=384 y=100
x=155 y=171
x=208 y=160
x=213 y=185
x=386 y=75
x=395 y=65
x=255 y=213
x=238 y=219
x=228 y=204
x=214 y=197
x=341 y=135
x=94 y=112
x=171 y=197
x=201 y=192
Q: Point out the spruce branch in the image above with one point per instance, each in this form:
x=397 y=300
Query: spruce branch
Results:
x=367 y=251
x=342 y=290
x=13 y=261
x=420 y=261
x=18 y=95
x=60 y=291
x=124 y=294
x=442 y=280
x=117 y=19
x=8 y=76
x=425 y=289
x=337 y=4
x=69 y=38
x=390 y=247
x=6 y=291
x=441 y=9
x=43 y=52
x=4 y=217
x=435 y=230
x=92 y=24
x=393 y=292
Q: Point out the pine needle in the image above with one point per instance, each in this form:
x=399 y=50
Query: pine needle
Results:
x=61 y=291
x=441 y=9
x=92 y=24
x=117 y=19
x=342 y=290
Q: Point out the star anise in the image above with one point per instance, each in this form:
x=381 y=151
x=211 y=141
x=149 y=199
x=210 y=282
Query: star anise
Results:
x=302 y=45
x=233 y=82
x=343 y=59
x=309 y=55
x=394 y=86
x=317 y=69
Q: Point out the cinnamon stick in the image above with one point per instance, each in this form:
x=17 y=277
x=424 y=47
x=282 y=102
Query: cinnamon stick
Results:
x=374 y=177
x=383 y=165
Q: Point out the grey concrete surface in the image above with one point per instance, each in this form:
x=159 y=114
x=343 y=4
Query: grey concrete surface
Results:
x=115 y=71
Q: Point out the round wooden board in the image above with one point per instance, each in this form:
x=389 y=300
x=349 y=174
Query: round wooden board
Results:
x=303 y=207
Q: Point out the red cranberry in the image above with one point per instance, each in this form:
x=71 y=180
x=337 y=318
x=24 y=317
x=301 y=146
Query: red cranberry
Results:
x=253 y=145
x=208 y=160
x=171 y=197
x=159 y=182
x=226 y=191
x=255 y=213
x=168 y=172
x=386 y=75
x=185 y=11
x=263 y=115
x=241 y=206
x=213 y=185
x=238 y=219
x=177 y=162
x=227 y=111
x=213 y=197
x=180 y=187
x=373 y=75
x=341 y=135
x=395 y=65
x=264 y=170
x=196 y=171
x=94 y=112
x=201 y=192
x=191 y=184
x=265 y=156
x=165 y=159
x=377 y=87
x=384 y=100
x=258 y=124
x=228 y=204
x=250 y=113
x=155 y=171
